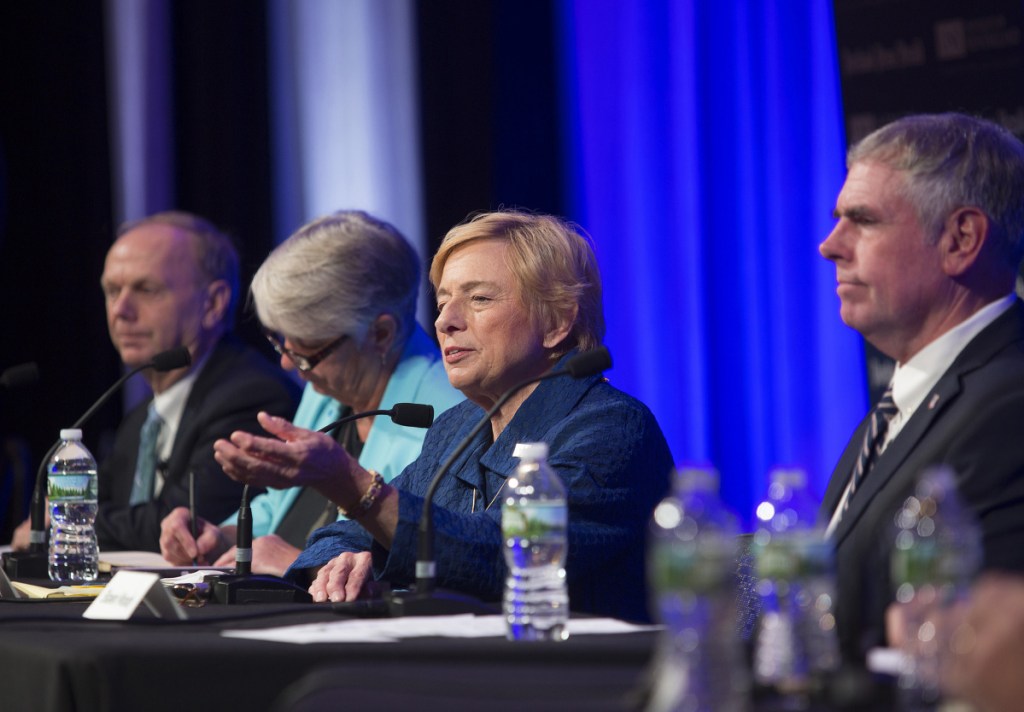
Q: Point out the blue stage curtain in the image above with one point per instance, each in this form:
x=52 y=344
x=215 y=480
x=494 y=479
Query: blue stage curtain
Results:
x=705 y=148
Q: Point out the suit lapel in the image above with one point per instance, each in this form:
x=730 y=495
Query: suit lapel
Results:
x=843 y=469
x=889 y=463
x=184 y=440
x=996 y=336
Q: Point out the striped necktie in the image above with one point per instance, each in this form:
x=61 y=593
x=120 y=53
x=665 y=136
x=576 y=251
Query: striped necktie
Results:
x=873 y=440
x=145 y=466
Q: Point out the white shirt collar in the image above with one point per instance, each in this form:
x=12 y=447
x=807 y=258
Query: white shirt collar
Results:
x=913 y=380
x=170 y=406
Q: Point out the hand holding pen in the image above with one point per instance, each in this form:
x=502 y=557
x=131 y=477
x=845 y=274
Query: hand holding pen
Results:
x=192 y=510
x=181 y=547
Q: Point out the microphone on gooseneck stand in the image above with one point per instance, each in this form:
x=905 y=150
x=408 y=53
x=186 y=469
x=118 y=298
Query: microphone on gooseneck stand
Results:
x=246 y=587
x=413 y=415
x=243 y=543
x=32 y=563
x=424 y=600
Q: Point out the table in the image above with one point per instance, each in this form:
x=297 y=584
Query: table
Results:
x=52 y=660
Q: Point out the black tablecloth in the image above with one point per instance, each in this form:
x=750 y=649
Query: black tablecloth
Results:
x=52 y=660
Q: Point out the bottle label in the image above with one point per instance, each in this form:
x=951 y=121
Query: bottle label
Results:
x=792 y=555
x=73 y=487
x=536 y=520
x=929 y=562
x=700 y=566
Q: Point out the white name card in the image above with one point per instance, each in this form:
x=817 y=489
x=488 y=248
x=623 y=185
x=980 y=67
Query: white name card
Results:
x=127 y=589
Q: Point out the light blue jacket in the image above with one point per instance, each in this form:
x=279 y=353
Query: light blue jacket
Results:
x=418 y=378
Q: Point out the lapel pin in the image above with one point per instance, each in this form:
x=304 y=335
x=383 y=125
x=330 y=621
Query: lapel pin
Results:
x=933 y=401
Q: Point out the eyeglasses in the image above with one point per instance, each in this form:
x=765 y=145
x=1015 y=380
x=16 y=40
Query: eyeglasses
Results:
x=304 y=363
x=191 y=595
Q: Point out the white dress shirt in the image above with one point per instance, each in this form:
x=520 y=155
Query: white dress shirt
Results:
x=913 y=381
x=170 y=406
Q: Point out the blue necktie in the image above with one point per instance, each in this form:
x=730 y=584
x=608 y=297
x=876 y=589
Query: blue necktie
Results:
x=145 y=466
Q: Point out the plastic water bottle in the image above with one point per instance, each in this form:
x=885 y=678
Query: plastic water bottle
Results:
x=796 y=648
x=534 y=519
x=71 y=489
x=936 y=553
x=692 y=550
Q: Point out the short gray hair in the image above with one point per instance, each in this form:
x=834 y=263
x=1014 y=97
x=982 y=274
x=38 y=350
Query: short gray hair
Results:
x=335 y=275
x=953 y=161
x=214 y=252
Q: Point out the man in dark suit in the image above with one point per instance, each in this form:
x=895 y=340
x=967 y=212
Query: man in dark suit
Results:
x=169 y=280
x=926 y=247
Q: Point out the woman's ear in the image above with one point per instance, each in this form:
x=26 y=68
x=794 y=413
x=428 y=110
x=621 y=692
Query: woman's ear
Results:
x=561 y=328
x=384 y=333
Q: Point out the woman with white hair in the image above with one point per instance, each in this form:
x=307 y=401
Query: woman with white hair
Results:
x=517 y=295
x=337 y=300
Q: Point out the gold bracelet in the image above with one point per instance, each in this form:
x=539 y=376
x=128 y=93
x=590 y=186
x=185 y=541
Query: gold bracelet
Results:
x=368 y=499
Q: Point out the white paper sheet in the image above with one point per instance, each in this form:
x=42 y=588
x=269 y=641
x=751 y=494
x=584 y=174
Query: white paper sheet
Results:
x=386 y=630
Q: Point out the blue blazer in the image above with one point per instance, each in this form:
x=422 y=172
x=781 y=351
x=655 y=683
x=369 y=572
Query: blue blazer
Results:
x=419 y=377
x=612 y=457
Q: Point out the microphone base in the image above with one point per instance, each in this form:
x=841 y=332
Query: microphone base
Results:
x=256 y=589
x=26 y=564
x=439 y=602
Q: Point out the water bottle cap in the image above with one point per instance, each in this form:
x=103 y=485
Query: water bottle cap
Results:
x=531 y=451
x=71 y=434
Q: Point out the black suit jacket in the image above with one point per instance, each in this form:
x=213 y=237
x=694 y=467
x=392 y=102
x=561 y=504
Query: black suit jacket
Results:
x=971 y=421
x=233 y=386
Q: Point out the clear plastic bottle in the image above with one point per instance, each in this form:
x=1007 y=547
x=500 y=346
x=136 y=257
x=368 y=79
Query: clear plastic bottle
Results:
x=71 y=490
x=692 y=561
x=534 y=520
x=936 y=553
x=796 y=648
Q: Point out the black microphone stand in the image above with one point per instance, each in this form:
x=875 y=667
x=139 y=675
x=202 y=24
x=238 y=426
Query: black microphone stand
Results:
x=244 y=586
x=425 y=599
x=247 y=587
x=33 y=563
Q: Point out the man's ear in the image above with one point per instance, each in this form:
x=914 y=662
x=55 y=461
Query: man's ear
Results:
x=218 y=298
x=562 y=327
x=964 y=235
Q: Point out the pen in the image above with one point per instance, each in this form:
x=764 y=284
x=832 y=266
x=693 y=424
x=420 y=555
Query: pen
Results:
x=192 y=508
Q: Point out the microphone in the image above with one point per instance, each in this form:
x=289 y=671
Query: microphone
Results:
x=169 y=360
x=246 y=587
x=172 y=359
x=32 y=564
x=413 y=415
x=423 y=600
x=24 y=374
x=243 y=541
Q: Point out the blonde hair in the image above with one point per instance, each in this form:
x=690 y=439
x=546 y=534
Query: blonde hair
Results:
x=553 y=263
